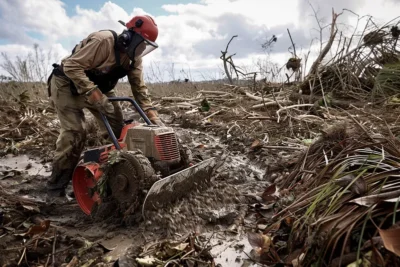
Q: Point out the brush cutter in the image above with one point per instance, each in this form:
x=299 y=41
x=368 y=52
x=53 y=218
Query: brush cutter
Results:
x=145 y=166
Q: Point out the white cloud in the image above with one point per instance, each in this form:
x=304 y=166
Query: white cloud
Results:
x=190 y=35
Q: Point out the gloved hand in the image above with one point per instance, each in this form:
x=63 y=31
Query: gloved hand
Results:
x=100 y=101
x=153 y=117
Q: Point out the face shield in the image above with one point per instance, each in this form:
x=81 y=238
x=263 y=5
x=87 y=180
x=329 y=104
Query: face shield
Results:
x=139 y=47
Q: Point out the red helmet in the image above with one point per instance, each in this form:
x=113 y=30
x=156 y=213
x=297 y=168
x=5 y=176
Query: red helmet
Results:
x=144 y=25
x=139 y=38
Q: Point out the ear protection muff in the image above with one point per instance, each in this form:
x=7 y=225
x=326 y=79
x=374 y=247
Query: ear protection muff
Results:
x=126 y=36
x=138 y=23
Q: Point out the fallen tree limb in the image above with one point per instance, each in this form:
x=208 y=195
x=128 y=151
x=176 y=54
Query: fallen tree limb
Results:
x=295 y=97
x=219 y=96
x=214 y=92
x=294 y=106
x=213 y=114
x=257 y=98
x=196 y=101
x=195 y=110
x=185 y=104
x=177 y=98
x=182 y=106
x=290 y=107
x=260 y=118
x=268 y=104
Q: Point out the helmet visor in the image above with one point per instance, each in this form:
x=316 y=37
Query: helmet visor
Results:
x=139 y=47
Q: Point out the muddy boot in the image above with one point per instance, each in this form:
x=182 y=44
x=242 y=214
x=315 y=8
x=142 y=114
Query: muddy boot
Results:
x=59 y=180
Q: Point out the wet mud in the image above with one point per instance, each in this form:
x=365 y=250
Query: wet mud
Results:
x=216 y=208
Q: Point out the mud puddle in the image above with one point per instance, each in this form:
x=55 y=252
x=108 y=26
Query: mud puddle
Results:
x=231 y=251
x=24 y=175
x=23 y=164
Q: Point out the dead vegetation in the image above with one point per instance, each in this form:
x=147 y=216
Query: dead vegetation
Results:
x=332 y=159
x=27 y=239
x=28 y=121
x=360 y=65
x=191 y=250
x=338 y=204
x=339 y=195
x=346 y=192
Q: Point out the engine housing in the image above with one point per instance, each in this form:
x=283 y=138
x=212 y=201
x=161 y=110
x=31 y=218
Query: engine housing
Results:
x=157 y=143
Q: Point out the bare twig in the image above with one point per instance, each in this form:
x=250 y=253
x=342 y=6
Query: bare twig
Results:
x=215 y=92
x=327 y=47
x=294 y=47
x=22 y=256
x=176 y=98
x=47 y=261
x=277 y=103
x=54 y=248
x=226 y=60
x=257 y=98
x=213 y=114
x=260 y=118
x=290 y=107
x=284 y=147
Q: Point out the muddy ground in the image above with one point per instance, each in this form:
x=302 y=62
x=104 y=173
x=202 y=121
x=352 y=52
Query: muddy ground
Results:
x=251 y=154
x=210 y=212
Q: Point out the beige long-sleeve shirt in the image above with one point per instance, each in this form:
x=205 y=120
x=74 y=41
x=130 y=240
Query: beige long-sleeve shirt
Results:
x=97 y=52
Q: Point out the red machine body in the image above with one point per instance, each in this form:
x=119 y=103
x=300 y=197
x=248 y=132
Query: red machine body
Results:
x=153 y=161
x=86 y=175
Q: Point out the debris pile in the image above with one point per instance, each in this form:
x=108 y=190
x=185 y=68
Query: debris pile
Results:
x=230 y=97
x=344 y=202
x=31 y=125
x=29 y=240
x=360 y=69
x=26 y=124
x=191 y=250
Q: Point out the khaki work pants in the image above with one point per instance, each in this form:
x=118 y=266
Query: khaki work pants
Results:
x=71 y=140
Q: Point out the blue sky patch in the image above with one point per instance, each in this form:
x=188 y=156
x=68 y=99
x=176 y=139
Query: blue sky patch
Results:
x=36 y=35
x=151 y=6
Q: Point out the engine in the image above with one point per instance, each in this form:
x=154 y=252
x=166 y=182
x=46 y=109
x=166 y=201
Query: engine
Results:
x=156 y=143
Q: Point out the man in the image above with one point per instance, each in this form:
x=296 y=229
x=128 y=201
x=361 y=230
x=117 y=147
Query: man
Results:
x=86 y=79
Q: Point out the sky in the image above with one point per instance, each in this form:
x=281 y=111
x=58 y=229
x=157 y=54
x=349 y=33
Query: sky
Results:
x=192 y=33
